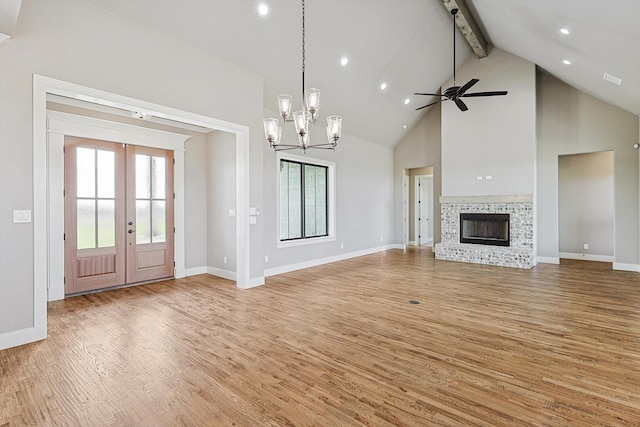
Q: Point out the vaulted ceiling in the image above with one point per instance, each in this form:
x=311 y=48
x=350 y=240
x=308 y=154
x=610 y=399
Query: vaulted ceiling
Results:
x=406 y=44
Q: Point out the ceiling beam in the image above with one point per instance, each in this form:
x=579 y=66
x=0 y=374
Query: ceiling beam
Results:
x=468 y=26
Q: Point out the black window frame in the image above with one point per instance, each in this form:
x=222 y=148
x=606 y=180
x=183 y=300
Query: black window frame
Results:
x=302 y=199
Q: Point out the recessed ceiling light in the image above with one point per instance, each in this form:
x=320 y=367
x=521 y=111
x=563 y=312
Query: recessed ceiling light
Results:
x=404 y=127
x=612 y=79
x=344 y=61
x=263 y=9
x=383 y=86
x=406 y=101
x=566 y=62
x=564 y=31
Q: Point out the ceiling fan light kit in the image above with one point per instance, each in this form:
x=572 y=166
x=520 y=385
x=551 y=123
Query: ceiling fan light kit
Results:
x=303 y=119
x=454 y=93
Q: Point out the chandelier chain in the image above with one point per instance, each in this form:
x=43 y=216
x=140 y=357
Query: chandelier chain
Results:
x=303 y=48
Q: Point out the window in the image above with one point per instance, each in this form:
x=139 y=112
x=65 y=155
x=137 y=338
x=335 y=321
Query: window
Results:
x=305 y=200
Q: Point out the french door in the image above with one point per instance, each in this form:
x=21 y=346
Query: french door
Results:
x=118 y=214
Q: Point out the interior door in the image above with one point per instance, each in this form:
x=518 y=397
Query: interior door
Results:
x=118 y=214
x=425 y=212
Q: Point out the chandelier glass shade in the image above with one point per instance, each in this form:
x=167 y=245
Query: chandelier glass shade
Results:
x=303 y=119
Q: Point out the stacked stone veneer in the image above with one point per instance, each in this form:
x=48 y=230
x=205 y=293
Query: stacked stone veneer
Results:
x=519 y=254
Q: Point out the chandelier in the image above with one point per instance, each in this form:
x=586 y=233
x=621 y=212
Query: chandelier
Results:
x=302 y=119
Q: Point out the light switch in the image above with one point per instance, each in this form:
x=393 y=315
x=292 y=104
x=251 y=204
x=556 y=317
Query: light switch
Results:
x=21 y=216
x=252 y=220
x=252 y=211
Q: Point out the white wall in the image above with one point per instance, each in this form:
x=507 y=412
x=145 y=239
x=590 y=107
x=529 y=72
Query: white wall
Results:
x=80 y=43
x=221 y=196
x=364 y=201
x=497 y=136
x=585 y=203
x=572 y=122
x=419 y=148
x=195 y=200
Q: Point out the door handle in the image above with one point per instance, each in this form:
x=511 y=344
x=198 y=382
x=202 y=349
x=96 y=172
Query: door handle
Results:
x=131 y=231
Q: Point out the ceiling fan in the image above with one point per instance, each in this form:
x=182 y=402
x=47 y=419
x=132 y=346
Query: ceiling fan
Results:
x=454 y=93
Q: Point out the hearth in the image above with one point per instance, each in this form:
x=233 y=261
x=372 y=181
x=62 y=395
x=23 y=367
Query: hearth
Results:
x=484 y=229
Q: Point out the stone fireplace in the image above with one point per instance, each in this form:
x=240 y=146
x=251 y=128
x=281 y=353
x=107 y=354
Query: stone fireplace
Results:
x=495 y=230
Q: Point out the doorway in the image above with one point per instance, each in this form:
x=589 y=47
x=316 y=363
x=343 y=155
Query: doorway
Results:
x=118 y=214
x=586 y=215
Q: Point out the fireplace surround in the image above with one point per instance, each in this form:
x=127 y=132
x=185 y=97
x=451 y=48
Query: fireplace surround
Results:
x=520 y=250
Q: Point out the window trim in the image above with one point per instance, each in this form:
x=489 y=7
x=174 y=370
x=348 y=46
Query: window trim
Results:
x=331 y=198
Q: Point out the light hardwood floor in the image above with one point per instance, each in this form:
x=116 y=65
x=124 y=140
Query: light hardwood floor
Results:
x=341 y=345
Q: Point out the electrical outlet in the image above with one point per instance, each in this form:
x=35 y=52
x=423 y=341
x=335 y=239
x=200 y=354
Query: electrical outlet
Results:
x=341 y=245
x=266 y=258
x=224 y=259
x=585 y=246
x=381 y=239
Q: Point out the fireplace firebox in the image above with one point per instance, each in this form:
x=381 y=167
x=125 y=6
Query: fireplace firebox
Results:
x=484 y=229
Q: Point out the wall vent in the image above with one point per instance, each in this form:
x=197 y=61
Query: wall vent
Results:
x=612 y=79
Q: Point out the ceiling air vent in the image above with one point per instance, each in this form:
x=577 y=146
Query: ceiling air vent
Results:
x=612 y=79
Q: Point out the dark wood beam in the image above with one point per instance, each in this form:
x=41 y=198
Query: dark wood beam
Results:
x=468 y=26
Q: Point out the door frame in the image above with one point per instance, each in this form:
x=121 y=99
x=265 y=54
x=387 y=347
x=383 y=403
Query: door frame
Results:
x=44 y=191
x=417 y=207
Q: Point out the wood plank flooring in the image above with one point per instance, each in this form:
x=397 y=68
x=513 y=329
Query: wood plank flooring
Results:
x=340 y=345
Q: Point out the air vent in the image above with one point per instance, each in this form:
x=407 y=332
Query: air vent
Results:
x=612 y=79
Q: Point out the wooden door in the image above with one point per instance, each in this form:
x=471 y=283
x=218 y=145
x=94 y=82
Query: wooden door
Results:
x=94 y=215
x=118 y=214
x=149 y=214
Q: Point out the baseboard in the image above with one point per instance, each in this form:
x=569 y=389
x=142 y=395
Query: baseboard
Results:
x=626 y=267
x=586 y=257
x=254 y=282
x=548 y=260
x=55 y=293
x=219 y=272
x=412 y=243
x=313 y=263
x=399 y=246
x=22 y=336
x=194 y=271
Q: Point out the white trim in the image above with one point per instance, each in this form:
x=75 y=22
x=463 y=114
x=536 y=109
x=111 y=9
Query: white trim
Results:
x=45 y=85
x=412 y=243
x=586 y=257
x=320 y=261
x=331 y=200
x=55 y=293
x=219 y=272
x=255 y=282
x=89 y=127
x=399 y=246
x=626 y=267
x=194 y=271
x=548 y=260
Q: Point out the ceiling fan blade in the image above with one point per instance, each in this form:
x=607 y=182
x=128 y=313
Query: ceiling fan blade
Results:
x=427 y=94
x=461 y=105
x=496 y=93
x=428 y=105
x=466 y=87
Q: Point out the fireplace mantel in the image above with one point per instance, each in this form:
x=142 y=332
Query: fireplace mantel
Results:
x=522 y=198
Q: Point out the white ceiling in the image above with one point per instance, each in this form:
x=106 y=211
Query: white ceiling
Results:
x=406 y=43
